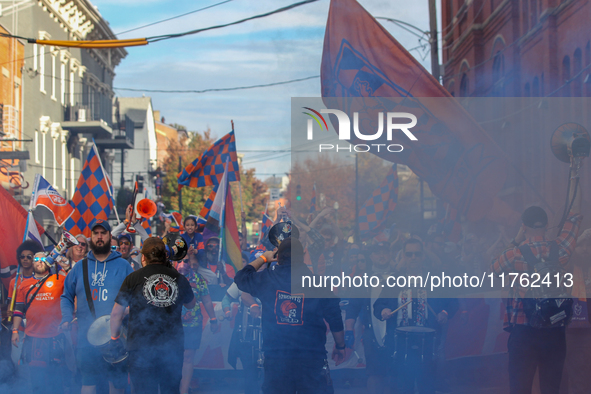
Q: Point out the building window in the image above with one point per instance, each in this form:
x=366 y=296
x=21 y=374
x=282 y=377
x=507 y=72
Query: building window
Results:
x=63 y=83
x=566 y=76
x=44 y=148
x=54 y=151
x=64 y=170
x=577 y=67
x=41 y=69
x=37 y=146
x=72 y=88
x=72 y=179
x=451 y=88
x=464 y=85
x=498 y=73
x=535 y=88
x=53 y=75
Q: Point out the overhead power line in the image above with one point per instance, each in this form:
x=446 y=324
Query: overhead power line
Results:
x=175 y=17
x=218 y=89
x=190 y=32
x=144 y=41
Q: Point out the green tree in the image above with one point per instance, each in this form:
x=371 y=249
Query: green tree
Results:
x=190 y=148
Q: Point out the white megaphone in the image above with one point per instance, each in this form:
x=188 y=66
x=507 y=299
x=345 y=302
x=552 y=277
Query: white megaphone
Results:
x=66 y=242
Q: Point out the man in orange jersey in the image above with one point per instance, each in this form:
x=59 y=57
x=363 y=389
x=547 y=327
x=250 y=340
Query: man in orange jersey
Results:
x=38 y=299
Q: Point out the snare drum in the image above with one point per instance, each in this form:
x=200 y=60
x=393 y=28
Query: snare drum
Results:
x=99 y=336
x=414 y=342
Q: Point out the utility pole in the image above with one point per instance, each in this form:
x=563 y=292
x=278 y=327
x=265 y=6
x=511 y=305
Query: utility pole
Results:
x=433 y=39
x=181 y=189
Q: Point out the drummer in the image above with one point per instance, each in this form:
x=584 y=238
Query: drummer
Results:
x=431 y=314
x=155 y=295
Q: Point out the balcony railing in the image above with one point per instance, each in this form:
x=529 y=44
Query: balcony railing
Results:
x=89 y=106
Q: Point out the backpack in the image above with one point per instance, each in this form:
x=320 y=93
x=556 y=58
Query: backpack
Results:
x=546 y=306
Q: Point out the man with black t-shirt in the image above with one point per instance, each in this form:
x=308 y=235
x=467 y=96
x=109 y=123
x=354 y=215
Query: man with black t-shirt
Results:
x=294 y=328
x=155 y=295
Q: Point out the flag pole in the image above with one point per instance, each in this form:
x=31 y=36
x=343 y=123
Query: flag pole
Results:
x=239 y=180
x=261 y=236
x=223 y=215
x=18 y=268
x=106 y=177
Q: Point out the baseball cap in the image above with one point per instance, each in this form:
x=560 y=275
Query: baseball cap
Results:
x=100 y=222
x=126 y=236
x=534 y=217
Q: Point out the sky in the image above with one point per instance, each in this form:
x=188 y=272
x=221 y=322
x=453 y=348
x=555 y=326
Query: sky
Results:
x=277 y=48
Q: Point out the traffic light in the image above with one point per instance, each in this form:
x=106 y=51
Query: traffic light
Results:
x=140 y=183
x=298 y=192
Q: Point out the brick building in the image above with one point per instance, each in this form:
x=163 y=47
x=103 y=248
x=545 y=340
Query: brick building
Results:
x=11 y=130
x=516 y=48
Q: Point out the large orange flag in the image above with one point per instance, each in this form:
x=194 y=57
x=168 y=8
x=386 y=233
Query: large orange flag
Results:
x=459 y=161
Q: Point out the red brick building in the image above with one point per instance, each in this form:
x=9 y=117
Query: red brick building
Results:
x=516 y=48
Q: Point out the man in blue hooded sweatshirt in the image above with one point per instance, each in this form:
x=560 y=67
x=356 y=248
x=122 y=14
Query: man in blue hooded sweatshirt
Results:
x=105 y=270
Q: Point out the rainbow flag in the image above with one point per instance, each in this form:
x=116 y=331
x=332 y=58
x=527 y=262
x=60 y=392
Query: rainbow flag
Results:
x=221 y=215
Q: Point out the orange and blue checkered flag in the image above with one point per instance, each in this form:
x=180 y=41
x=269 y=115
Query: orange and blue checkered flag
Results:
x=375 y=210
x=208 y=169
x=93 y=196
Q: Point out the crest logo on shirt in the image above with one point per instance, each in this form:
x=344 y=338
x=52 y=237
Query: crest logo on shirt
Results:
x=161 y=290
x=49 y=284
x=289 y=308
x=98 y=278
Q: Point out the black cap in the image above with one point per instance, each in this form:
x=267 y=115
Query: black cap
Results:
x=534 y=217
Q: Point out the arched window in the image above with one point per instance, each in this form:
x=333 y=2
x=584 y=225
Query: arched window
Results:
x=451 y=88
x=566 y=76
x=535 y=89
x=464 y=85
x=498 y=88
x=526 y=90
x=577 y=67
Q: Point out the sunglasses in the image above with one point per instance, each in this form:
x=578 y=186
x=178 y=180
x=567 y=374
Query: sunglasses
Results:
x=410 y=254
x=83 y=244
x=124 y=243
x=26 y=256
x=44 y=259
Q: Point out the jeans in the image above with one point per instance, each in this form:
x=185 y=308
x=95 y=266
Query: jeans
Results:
x=151 y=367
x=531 y=349
x=291 y=376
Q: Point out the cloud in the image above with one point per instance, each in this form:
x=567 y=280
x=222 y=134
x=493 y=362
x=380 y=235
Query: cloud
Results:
x=277 y=48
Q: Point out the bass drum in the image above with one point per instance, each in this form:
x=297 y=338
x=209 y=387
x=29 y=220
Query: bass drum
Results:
x=99 y=336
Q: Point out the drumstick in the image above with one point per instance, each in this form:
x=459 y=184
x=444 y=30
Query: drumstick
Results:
x=400 y=307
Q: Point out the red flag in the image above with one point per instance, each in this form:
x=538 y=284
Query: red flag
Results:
x=459 y=161
x=13 y=221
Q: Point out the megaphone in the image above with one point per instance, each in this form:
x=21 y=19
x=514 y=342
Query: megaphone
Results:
x=66 y=242
x=146 y=208
x=570 y=140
